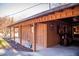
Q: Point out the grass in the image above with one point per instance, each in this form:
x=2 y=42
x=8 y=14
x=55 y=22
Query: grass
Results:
x=4 y=44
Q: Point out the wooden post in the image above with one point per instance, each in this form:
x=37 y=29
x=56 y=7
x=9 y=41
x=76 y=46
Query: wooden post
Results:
x=14 y=33
x=10 y=33
x=34 y=38
x=20 y=33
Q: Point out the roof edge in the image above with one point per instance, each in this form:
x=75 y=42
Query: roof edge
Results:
x=47 y=12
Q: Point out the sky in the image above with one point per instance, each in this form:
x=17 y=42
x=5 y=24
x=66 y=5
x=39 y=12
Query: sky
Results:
x=13 y=8
x=23 y=10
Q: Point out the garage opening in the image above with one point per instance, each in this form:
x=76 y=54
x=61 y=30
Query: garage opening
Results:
x=64 y=32
x=68 y=31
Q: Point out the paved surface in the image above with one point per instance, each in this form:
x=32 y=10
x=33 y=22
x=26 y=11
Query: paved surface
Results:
x=60 y=51
x=13 y=52
x=15 y=49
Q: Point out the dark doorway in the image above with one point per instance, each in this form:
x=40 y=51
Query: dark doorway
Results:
x=68 y=31
x=75 y=34
x=65 y=32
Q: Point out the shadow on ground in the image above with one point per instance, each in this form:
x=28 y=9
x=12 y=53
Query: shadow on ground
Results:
x=18 y=46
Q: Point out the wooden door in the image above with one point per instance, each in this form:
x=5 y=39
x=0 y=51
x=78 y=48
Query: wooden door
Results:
x=41 y=35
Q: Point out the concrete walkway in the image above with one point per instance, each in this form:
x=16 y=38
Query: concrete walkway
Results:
x=11 y=48
x=60 y=51
x=13 y=52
